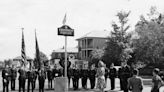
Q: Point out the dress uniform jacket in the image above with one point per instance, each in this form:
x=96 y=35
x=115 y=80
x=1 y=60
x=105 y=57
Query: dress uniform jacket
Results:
x=85 y=76
x=22 y=79
x=5 y=76
x=13 y=78
x=41 y=78
x=75 y=78
x=92 y=77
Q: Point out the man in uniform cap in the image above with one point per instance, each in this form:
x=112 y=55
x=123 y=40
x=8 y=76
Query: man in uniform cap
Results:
x=75 y=78
x=50 y=77
x=13 y=77
x=84 y=76
x=112 y=75
x=30 y=77
x=22 y=79
x=5 y=76
x=126 y=74
x=41 y=78
x=92 y=76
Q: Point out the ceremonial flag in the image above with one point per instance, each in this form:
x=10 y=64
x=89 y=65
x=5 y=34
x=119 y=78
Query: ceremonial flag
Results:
x=37 y=57
x=64 y=20
x=23 y=52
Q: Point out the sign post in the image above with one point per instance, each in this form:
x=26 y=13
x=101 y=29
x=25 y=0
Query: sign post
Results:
x=65 y=30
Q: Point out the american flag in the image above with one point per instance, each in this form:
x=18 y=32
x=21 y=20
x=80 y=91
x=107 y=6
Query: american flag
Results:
x=23 y=52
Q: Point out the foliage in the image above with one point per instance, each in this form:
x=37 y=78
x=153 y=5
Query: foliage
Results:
x=149 y=47
x=8 y=62
x=95 y=56
x=118 y=45
x=43 y=59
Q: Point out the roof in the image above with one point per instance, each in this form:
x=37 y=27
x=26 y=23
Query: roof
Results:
x=69 y=50
x=96 y=34
x=19 y=57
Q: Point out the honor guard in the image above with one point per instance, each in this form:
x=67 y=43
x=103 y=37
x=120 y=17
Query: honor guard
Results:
x=41 y=78
x=13 y=77
x=120 y=76
x=75 y=78
x=30 y=77
x=126 y=74
x=35 y=77
x=85 y=76
x=22 y=79
x=106 y=74
x=50 y=77
x=92 y=76
x=112 y=76
x=5 y=79
x=70 y=74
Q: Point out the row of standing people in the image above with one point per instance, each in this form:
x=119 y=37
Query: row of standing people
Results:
x=73 y=73
x=10 y=75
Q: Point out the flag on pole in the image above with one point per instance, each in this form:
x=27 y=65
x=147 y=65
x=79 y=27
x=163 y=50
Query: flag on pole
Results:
x=37 y=57
x=64 y=20
x=23 y=52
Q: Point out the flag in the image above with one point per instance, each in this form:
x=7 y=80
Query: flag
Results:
x=37 y=53
x=64 y=20
x=23 y=52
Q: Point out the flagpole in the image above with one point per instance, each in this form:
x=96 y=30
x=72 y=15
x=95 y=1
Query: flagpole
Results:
x=65 y=56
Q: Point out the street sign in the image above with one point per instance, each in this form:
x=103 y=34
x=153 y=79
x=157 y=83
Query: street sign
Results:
x=66 y=31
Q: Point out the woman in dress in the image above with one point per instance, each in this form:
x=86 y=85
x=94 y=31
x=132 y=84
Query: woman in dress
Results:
x=101 y=76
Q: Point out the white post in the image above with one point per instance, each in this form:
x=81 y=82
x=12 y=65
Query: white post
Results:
x=65 y=75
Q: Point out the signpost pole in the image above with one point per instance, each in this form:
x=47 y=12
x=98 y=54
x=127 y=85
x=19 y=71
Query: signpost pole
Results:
x=66 y=59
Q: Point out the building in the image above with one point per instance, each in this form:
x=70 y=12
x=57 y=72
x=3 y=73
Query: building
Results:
x=72 y=54
x=91 y=41
x=17 y=61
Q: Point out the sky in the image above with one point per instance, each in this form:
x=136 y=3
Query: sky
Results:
x=47 y=15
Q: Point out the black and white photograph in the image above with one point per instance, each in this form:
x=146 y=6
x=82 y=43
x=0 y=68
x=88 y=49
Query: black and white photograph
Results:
x=81 y=46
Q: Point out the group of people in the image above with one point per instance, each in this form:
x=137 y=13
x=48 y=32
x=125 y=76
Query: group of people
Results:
x=129 y=79
x=9 y=75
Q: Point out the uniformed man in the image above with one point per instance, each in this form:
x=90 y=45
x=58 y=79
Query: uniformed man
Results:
x=50 y=77
x=41 y=78
x=22 y=79
x=106 y=74
x=75 y=78
x=30 y=77
x=13 y=77
x=120 y=76
x=70 y=74
x=112 y=75
x=92 y=76
x=5 y=79
x=35 y=77
x=126 y=74
x=85 y=76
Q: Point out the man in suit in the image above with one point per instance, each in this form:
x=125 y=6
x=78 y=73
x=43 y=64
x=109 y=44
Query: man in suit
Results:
x=126 y=74
x=41 y=78
x=22 y=79
x=13 y=77
x=92 y=76
x=5 y=79
x=135 y=83
x=112 y=75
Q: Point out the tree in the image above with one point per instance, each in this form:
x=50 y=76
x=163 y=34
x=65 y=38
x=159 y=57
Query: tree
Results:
x=118 y=45
x=149 y=46
x=95 y=56
x=8 y=62
x=43 y=59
